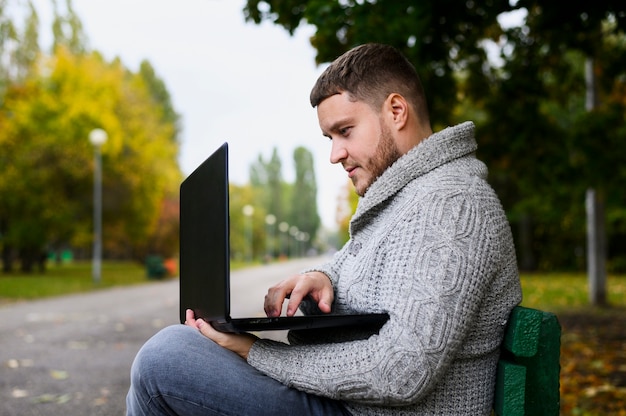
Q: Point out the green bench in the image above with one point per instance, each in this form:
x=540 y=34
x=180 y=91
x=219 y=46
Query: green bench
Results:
x=527 y=382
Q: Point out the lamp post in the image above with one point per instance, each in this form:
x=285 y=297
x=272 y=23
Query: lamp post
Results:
x=97 y=137
x=248 y=210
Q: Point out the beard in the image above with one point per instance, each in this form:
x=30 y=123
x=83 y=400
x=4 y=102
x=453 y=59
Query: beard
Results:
x=386 y=154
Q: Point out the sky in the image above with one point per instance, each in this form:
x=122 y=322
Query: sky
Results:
x=229 y=80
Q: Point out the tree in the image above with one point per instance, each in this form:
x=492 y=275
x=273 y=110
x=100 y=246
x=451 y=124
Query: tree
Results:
x=46 y=164
x=67 y=29
x=438 y=37
x=294 y=204
x=48 y=105
x=266 y=177
x=303 y=205
x=541 y=143
x=18 y=49
x=346 y=206
x=161 y=96
x=240 y=196
x=532 y=127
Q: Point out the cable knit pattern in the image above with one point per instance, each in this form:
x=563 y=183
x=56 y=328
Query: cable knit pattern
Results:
x=431 y=246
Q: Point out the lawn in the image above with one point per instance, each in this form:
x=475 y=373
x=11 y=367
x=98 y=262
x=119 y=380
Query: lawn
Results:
x=74 y=277
x=562 y=292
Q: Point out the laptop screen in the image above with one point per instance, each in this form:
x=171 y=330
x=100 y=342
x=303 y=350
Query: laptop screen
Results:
x=204 y=239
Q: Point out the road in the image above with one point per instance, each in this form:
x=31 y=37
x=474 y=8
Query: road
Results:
x=71 y=355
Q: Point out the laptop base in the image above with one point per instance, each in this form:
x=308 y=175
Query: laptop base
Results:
x=300 y=322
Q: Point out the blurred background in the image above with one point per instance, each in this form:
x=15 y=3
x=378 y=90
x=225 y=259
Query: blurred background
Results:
x=168 y=84
x=105 y=107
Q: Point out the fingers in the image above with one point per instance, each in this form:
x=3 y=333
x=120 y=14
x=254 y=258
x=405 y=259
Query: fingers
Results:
x=207 y=330
x=297 y=295
x=274 y=298
x=190 y=319
x=326 y=299
x=237 y=343
x=318 y=288
x=314 y=284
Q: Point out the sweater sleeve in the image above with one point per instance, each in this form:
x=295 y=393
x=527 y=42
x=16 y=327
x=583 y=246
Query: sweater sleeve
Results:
x=429 y=267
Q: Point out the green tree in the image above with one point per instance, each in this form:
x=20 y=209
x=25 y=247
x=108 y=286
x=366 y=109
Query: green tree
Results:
x=67 y=29
x=346 y=206
x=161 y=96
x=27 y=51
x=439 y=37
x=303 y=207
x=266 y=177
x=543 y=149
x=241 y=225
x=19 y=49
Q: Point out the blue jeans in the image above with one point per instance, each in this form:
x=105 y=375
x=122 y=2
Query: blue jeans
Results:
x=181 y=372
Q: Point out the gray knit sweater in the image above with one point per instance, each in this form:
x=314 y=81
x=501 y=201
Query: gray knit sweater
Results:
x=430 y=245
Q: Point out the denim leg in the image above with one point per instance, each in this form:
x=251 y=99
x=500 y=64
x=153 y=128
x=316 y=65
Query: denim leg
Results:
x=181 y=372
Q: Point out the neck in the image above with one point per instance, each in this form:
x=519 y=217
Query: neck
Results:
x=413 y=136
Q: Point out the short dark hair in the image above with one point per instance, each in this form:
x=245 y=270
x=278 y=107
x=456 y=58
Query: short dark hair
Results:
x=370 y=73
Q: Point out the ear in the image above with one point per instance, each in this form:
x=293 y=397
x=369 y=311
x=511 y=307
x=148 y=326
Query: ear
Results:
x=397 y=108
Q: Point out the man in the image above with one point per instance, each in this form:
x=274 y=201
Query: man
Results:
x=429 y=244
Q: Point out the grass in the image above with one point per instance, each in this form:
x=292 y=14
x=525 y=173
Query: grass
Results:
x=68 y=278
x=73 y=277
x=562 y=292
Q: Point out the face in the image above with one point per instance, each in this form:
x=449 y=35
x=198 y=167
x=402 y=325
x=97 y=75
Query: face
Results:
x=361 y=140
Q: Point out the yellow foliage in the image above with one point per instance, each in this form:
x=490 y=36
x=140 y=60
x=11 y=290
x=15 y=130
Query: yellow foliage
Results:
x=45 y=124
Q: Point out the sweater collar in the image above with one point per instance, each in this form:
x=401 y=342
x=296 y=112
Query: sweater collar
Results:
x=436 y=150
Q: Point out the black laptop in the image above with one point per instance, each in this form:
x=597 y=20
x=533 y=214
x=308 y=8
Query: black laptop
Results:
x=205 y=258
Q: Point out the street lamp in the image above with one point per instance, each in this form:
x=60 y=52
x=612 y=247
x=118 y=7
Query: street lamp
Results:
x=248 y=210
x=97 y=137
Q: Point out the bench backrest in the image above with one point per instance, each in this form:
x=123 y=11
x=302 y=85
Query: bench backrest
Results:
x=528 y=371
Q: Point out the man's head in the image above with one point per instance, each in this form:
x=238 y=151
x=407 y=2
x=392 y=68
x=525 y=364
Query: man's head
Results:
x=369 y=73
x=371 y=104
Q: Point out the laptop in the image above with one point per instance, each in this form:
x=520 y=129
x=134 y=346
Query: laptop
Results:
x=205 y=258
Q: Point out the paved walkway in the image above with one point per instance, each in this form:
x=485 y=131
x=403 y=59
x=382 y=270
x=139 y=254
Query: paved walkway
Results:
x=71 y=355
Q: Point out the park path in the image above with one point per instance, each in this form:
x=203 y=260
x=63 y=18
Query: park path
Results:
x=71 y=355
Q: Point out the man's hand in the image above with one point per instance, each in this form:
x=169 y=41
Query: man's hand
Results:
x=316 y=285
x=237 y=343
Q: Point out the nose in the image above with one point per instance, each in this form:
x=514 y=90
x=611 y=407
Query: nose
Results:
x=338 y=152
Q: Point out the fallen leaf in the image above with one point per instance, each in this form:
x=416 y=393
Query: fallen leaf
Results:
x=45 y=398
x=14 y=363
x=64 y=398
x=19 y=393
x=59 y=374
x=53 y=398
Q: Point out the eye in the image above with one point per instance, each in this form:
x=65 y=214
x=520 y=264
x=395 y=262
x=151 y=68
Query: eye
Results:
x=345 y=131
